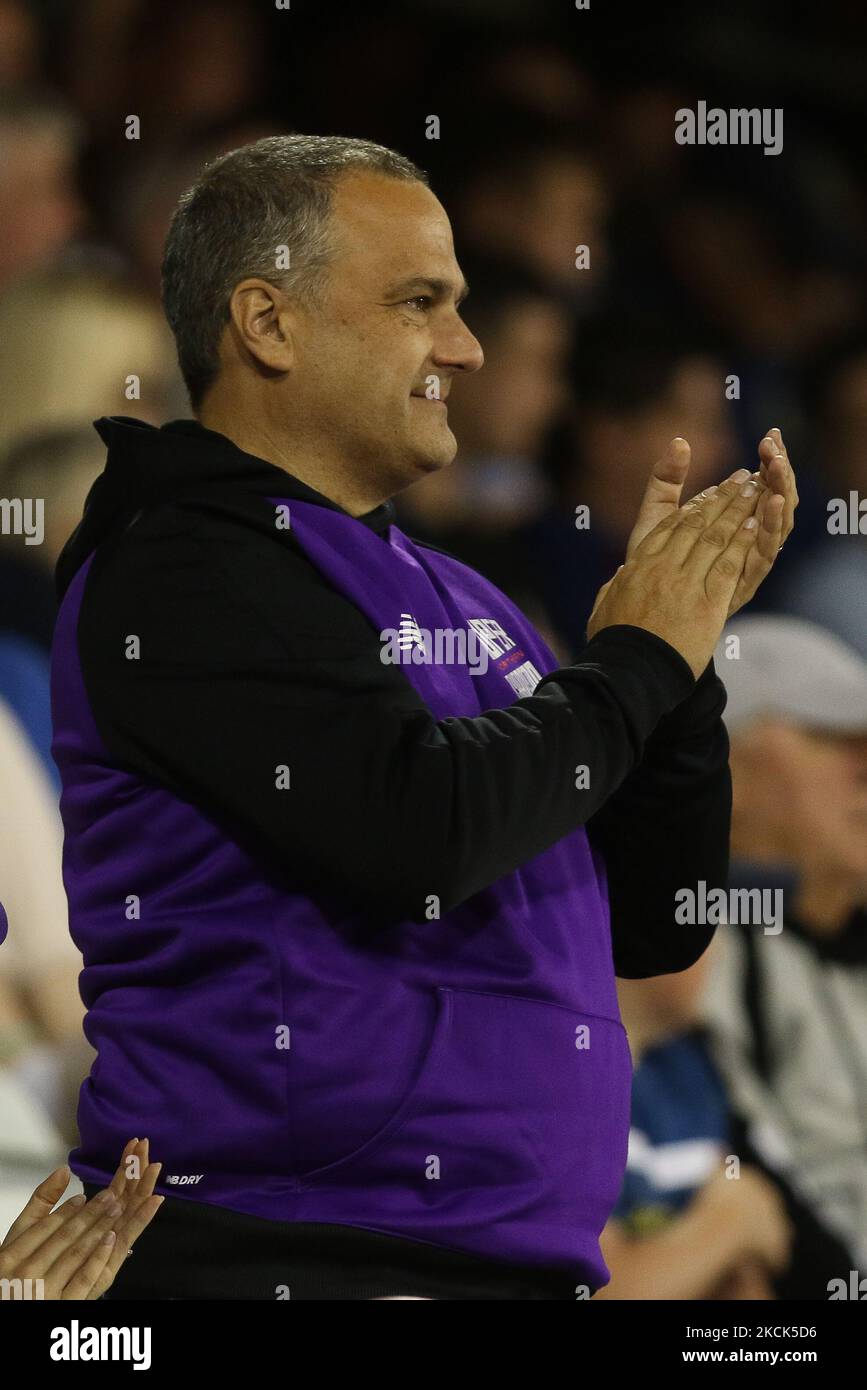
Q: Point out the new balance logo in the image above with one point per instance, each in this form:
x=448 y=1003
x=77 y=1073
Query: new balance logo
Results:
x=182 y=1180
x=409 y=633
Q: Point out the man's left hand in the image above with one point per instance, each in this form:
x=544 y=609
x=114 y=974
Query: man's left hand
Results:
x=775 y=477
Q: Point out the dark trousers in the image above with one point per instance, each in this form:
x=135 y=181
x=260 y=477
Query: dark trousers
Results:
x=195 y=1251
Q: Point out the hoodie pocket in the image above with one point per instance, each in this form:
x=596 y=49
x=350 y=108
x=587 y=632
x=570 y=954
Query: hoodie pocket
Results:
x=524 y=1099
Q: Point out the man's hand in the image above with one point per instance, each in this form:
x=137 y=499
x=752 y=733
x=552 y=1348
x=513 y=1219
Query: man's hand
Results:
x=681 y=578
x=775 y=514
x=662 y=494
x=775 y=511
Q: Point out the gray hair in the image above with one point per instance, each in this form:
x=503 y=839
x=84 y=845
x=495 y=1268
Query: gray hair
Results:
x=232 y=222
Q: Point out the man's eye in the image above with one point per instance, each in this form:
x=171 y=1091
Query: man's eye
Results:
x=423 y=300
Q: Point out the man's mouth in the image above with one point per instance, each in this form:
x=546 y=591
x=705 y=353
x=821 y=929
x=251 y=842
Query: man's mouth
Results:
x=432 y=400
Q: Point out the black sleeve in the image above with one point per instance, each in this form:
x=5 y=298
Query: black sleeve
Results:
x=250 y=661
x=665 y=828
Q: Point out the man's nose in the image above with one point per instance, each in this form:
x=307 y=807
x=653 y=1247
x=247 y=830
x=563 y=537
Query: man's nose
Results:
x=460 y=349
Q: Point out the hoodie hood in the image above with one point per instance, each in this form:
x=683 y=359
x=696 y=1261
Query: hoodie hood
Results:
x=147 y=465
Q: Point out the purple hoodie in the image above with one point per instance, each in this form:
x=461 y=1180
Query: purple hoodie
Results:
x=463 y=1081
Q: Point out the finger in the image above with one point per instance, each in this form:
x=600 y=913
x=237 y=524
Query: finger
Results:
x=710 y=506
x=142 y=1193
x=722 y=578
x=720 y=522
x=778 y=474
x=713 y=522
x=769 y=515
x=40 y=1205
x=47 y=1240
x=127 y=1169
x=770 y=536
x=129 y=1224
x=128 y=1232
x=740 y=475
x=77 y=1254
x=662 y=493
x=668 y=474
x=29 y=1240
x=83 y=1283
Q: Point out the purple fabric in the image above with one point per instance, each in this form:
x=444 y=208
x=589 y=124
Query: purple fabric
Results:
x=463 y=1081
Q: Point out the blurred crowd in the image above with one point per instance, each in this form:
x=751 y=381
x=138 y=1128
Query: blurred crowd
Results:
x=626 y=289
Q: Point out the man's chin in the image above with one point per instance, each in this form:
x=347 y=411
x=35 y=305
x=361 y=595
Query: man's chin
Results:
x=432 y=458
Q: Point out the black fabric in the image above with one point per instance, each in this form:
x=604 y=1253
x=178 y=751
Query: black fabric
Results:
x=195 y=1251
x=754 y=1004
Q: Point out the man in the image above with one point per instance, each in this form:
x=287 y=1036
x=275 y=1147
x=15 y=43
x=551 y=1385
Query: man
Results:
x=689 y=1223
x=635 y=381
x=787 y=1005
x=40 y=207
x=351 y=917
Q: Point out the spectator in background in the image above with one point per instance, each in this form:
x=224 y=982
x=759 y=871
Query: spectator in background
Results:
x=787 y=1003
x=181 y=68
x=636 y=385
x=57 y=468
x=688 y=1223
x=76 y=344
x=40 y=209
x=528 y=191
x=43 y=1052
x=830 y=587
x=73 y=344
x=19 y=46
x=149 y=190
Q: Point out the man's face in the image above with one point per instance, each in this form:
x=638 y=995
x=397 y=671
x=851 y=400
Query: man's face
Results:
x=807 y=790
x=388 y=323
x=40 y=208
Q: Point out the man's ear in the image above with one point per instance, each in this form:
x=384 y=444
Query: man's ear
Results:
x=262 y=324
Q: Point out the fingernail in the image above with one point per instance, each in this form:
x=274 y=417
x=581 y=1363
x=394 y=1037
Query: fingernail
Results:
x=750 y=524
x=105 y=1196
x=77 y=1201
x=109 y=1238
x=749 y=490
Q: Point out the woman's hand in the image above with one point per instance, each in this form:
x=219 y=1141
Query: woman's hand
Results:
x=77 y=1250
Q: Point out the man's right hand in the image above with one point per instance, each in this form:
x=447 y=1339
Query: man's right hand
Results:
x=681 y=578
